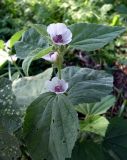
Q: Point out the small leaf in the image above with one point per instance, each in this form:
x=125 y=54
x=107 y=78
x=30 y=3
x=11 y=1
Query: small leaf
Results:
x=15 y=38
x=90 y=37
x=3 y=57
x=96 y=108
x=95 y=124
x=51 y=127
x=34 y=56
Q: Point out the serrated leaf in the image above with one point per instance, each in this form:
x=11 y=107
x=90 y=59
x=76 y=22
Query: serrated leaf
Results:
x=31 y=41
x=115 y=141
x=51 y=127
x=27 y=89
x=87 y=85
x=89 y=37
x=34 y=56
x=96 y=108
x=95 y=124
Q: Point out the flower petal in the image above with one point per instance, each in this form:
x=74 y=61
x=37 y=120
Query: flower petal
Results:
x=57 y=85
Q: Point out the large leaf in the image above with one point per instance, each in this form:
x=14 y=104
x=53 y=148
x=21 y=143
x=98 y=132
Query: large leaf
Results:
x=40 y=28
x=10 y=111
x=50 y=127
x=9 y=146
x=87 y=150
x=31 y=42
x=87 y=85
x=34 y=56
x=95 y=124
x=115 y=141
x=27 y=89
x=96 y=108
x=90 y=37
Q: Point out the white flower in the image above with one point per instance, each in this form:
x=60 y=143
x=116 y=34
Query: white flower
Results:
x=57 y=86
x=51 y=57
x=59 y=33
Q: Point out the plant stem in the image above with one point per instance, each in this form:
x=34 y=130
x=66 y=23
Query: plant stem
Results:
x=5 y=74
x=16 y=67
x=122 y=108
x=59 y=71
x=9 y=71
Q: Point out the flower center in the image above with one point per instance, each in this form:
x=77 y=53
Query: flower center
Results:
x=59 y=89
x=50 y=54
x=58 y=39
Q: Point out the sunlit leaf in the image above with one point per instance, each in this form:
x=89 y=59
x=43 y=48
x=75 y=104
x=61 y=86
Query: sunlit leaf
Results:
x=1 y=44
x=96 y=108
x=27 y=89
x=15 y=38
x=95 y=124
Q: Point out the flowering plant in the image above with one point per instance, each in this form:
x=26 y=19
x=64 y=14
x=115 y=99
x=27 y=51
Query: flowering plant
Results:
x=60 y=115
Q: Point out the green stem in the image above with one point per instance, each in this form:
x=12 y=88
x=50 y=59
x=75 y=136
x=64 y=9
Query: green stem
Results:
x=122 y=108
x=59 y=71
x=16 y=67
x=5 y=74
x=9 y=71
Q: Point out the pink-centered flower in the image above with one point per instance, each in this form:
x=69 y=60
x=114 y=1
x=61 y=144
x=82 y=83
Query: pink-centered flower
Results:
x=59 y=33
x=51 y=57
x=57 y=86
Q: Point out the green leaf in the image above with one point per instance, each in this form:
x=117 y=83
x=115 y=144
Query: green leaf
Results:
x=90 y=37
x=115 y=141
x=1 y=44
x=87 y=150
x=3 y=57
x=27 y=89
x=34 y=56
x=15 y=38
x=40 y=28
x=95 y=124
x=31 y=42
x=96 y=108
x=51 y=127
x=9 y=146
x=10 y=111
x=87 y=85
